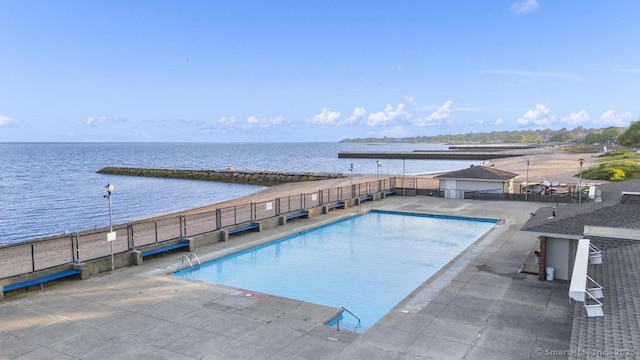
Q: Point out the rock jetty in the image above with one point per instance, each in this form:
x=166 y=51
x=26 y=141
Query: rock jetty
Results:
x=262 y=178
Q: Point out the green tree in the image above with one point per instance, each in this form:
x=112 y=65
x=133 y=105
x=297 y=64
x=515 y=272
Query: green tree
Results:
x=593 y=137
x=562 y=135
x=610 y=135
x=631 y=136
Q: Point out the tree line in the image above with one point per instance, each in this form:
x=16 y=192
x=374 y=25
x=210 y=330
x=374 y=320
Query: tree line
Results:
x=629 y=137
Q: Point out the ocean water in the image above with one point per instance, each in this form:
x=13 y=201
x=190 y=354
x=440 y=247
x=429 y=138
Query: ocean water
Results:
x=51 y=188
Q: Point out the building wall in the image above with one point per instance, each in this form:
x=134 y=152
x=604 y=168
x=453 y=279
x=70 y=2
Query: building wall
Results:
x=454 y=189
x=560 y=254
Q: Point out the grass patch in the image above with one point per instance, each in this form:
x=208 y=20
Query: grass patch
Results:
x=617 y=166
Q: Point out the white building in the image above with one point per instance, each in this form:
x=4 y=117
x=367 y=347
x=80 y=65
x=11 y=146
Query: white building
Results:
x=476 y=179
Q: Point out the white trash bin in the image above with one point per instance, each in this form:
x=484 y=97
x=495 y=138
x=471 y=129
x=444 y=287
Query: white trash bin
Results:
x=550 y=272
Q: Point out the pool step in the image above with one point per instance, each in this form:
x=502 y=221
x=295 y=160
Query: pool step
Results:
x=347 y=325
x=354 y=327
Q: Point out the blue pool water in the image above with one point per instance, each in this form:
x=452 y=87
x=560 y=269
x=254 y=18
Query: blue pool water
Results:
x=367 y=263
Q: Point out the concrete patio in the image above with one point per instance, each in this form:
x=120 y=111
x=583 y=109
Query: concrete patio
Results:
x=478 y=307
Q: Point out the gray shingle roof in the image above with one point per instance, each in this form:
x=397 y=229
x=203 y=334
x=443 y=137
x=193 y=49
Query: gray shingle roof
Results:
x=619 y=329
x=479 y=172
x=570 y=219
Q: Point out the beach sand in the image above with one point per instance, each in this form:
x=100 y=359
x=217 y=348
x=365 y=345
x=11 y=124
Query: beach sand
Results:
x=547 y=163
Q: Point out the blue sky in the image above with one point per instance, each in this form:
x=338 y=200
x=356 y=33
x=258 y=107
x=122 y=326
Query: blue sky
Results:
x=304 y=70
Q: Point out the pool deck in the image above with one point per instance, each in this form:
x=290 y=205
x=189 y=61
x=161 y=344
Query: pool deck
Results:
x=477 y=307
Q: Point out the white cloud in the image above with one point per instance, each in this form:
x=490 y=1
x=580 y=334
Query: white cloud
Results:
x=576 y=118
x=387 y=115
x=610 y=117
x=326 y=117
x=227 y=122
x=524 y=6
x=4 y=121
x=440 y=116
x=536 y=116
x=478 y=121
x=411 y=100
x=93 y=120
x=253 y=121
x=358 y=113
x=499 y=121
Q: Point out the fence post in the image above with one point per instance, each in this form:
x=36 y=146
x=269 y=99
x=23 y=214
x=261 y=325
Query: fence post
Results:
x=218 y=219
x=155 y=227
x=235 y=215
x=77 y=238
x=33 y=259
x=132 y=244
x=73 y=250
x=254 y=211
x=183 y=226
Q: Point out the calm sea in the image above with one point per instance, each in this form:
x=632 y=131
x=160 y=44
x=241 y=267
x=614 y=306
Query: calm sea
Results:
x=52 y=188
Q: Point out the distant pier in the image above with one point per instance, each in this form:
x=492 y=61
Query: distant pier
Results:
x=429 y=155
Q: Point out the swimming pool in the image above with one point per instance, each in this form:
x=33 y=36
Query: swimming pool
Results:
x=366 y=263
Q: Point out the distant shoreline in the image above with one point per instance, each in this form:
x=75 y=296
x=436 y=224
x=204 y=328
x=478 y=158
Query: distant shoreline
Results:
x=546 y=163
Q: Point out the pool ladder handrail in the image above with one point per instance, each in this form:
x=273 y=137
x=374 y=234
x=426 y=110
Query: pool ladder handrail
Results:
x=342 y=309
x=362 y=209
x=188 y=258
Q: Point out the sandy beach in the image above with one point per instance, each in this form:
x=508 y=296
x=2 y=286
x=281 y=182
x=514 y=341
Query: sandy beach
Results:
x=547 y=163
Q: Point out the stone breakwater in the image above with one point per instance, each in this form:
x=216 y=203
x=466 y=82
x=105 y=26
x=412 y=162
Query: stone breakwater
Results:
x=262 y=178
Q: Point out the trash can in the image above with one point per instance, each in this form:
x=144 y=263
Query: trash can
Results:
x=550 y=271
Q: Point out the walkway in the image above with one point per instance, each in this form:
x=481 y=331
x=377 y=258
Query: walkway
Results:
x=478 y=307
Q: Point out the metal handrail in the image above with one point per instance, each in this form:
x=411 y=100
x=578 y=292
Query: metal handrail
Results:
x=196 y=257
x=188 y=260
x=341 y=309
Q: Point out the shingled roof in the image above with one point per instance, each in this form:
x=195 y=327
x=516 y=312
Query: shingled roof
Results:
x=479 y=173
x=570 y=219
x=619 y=329
x=619 y=273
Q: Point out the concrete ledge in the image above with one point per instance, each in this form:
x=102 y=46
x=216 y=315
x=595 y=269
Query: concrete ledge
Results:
x=136 y=257
x=84 y=274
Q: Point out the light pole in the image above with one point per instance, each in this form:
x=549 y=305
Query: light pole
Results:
x=526 y=188
x=403 y=171
x=581 y=161
x=351 y=177
x=378 y=169
x=111 y=235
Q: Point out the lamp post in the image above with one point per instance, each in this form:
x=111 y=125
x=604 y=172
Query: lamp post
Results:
x=526 y=188
x=378 y=168
x=111 y=235
x=351 y=177
x=581 y=161
x=403 y=171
